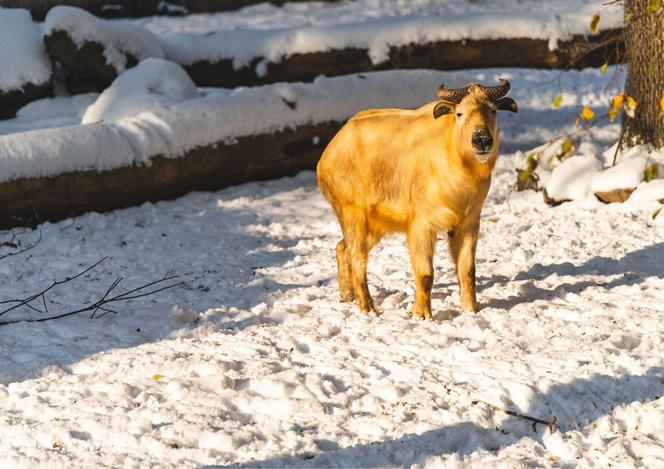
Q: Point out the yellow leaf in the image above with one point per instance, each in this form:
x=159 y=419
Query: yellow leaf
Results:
x=157 y=376
x=661 y=104
x=613 y=112
x=604 y=66
x=567 y=147
x=630 y=102
x=557 y=100
x=594 y=23
x=653 y=6
x=587 y=113
x=618 y=100
x=651 y=172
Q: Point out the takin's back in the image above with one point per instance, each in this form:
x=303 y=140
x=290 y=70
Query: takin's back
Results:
x=380 y=154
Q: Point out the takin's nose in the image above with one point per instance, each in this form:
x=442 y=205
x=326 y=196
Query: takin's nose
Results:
x=482 y=140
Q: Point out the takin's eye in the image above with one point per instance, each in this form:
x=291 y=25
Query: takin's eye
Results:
x=459 y=114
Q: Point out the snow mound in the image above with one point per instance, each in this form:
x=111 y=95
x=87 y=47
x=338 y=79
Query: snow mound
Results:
x=648 y=192
x=378 y=35
x=572 y=180
x=583 y=175
x=53 y=108
x=153 y=83
x=23 y=56
x=625 y=175
x=118 y=38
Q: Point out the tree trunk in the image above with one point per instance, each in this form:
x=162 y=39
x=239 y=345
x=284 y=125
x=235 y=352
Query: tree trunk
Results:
x=644 y=39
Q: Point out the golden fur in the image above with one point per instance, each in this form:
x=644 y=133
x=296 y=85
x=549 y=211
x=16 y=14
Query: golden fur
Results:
x=395 y=170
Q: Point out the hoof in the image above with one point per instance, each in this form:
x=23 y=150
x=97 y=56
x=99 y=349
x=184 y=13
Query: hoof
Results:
x=368 y=307
x=421 y=313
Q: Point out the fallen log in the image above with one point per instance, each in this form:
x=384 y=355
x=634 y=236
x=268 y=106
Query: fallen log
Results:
x=577 y=53
x=30 y=201
x=89 y=70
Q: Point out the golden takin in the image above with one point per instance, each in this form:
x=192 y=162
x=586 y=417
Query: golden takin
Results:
x=419 y=172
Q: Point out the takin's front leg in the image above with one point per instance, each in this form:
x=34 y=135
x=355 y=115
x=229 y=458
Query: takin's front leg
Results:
x=421 y=245
x=463 y=243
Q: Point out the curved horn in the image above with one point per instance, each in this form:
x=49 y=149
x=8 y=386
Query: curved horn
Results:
x=452 y=95
x=498 y=91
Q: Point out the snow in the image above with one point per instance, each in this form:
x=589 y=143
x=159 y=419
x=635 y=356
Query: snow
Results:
x=221 y=115
x=624 y=175
x=49 y=113
x=152 y=84
x=303 y=14
x=254 y=362
x=570 y=180
x=22 y=56
x=379 y=34
x=647 y=192
x=118 y=38
x=580 y=177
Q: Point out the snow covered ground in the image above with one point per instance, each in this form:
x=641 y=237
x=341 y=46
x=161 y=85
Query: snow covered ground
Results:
x=254 y=362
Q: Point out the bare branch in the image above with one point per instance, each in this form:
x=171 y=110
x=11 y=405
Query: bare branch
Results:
x=99 y=305
x=550 y=423
x=29 y=299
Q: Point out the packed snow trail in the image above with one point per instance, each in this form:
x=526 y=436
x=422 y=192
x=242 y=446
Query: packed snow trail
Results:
x=261 y=365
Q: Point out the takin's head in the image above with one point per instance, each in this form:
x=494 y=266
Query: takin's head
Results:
x=474 y=109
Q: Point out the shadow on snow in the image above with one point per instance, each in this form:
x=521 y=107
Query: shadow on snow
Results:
x=631 y=269
x=222 y=260
x=577 y=404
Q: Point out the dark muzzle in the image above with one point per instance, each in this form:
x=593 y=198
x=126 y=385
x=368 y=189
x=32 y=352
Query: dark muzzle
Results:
x=482 y=141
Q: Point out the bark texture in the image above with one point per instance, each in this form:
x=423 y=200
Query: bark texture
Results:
x=644 y=39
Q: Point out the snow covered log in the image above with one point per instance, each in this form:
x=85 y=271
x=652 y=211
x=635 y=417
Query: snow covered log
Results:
x=579 y=52
x=29 y=201
x=172 y=144
x=95 y=51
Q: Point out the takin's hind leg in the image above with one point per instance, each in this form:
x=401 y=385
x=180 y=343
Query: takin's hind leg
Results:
x=357 y=243
x=421 y=245
x=344 y=273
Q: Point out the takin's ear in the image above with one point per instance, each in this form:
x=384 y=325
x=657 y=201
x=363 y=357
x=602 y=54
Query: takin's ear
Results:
x=441 y=109
x=507 y=104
